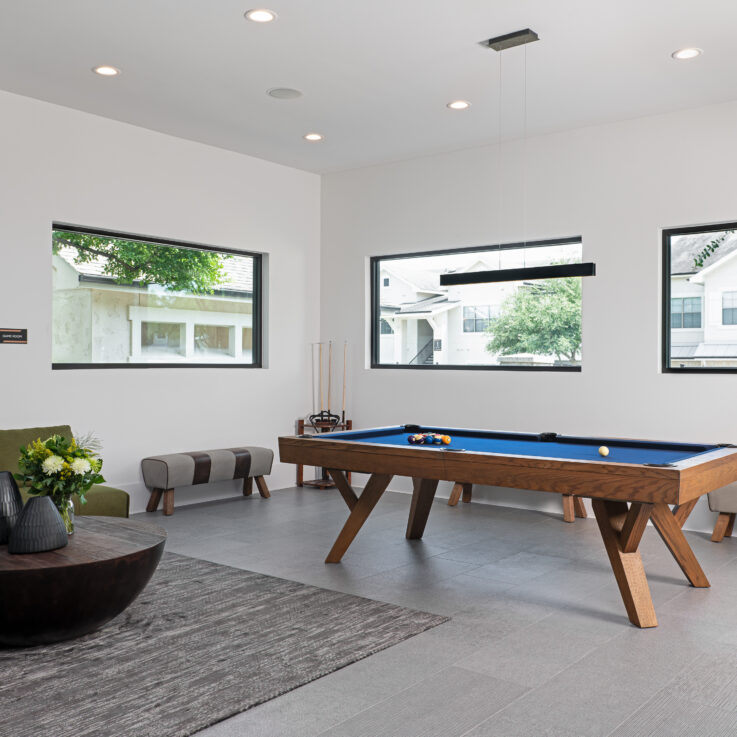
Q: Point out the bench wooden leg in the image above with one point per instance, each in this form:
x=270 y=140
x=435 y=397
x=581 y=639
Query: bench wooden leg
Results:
x=248 y=486
x=723 y=527
x=263 y=489
x=153 y=502
x=168 y=501
x=579 y=508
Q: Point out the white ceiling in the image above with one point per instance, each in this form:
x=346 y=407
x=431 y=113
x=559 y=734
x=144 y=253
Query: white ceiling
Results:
x=376 y=74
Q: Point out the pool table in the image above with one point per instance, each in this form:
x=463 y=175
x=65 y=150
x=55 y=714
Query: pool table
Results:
x=636 y=482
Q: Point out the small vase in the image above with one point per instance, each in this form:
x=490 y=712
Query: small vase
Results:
x=67 y=514
x=39 y=528
x=11 y=505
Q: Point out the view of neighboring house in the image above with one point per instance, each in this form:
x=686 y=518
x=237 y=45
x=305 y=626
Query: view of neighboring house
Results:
x=703 y=308
x=96 y=320
x=424 y=323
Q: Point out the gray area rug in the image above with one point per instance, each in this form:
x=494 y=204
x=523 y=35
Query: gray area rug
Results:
x=203 y=642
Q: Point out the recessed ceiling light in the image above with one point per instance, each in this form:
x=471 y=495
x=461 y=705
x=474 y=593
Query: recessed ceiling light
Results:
x=689 y=53
x=260 y=15
x=459 y=105
x=284 y=93
x=106 y=71
x=313 y=137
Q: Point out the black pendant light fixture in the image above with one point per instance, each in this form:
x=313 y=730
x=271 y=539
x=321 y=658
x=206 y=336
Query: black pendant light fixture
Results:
x=554 y=271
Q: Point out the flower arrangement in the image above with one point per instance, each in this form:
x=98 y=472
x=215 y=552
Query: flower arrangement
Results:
x=60 y=468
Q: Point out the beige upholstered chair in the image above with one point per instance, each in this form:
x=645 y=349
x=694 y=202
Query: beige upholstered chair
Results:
x=724 y=501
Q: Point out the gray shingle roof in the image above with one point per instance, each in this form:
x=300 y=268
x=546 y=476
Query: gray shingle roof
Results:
x=426 y=305
x=423 y=280
x=685 y=247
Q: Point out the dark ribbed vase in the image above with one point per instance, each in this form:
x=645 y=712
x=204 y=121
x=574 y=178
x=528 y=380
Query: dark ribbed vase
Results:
x=11 y=505
x=39 y=528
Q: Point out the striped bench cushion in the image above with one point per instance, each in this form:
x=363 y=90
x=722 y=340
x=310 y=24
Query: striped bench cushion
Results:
x=203 y=466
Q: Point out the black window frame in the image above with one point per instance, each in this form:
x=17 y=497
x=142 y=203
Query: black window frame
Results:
x=476 y=320
x=732 y=309
x=683 y=312
x=257 y=303
x=667 y=234
x=375 y=267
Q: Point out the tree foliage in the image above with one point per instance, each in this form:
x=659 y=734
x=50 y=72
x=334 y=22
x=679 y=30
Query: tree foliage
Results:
x=129 y=261
x=543 y=319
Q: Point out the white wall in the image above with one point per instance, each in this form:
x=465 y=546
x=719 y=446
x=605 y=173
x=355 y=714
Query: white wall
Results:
x=617 y=186
x=62 y=165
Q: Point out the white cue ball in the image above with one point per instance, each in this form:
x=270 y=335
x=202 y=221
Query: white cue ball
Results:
x=603 y=451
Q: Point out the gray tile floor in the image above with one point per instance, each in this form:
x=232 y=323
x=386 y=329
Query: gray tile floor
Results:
x=538 y=645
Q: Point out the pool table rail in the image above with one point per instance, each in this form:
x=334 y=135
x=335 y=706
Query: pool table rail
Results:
x=676 y=483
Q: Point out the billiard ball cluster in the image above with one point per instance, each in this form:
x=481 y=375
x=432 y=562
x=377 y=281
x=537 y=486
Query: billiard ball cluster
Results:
x=428 y=438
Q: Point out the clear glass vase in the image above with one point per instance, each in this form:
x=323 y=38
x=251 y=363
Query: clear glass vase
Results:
x=67 y=514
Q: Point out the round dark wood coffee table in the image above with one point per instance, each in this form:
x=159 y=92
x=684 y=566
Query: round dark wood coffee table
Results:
x=65 y=593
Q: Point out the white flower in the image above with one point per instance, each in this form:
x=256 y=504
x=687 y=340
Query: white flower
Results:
x=81 y=466
x=52 y=464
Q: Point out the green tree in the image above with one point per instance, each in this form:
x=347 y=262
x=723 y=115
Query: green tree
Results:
x=542 y=319
x=129 y=261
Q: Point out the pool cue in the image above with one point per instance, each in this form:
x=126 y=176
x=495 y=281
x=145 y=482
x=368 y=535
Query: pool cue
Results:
x=330 y=371
x=312 y=366
x=322 y=403
x=345 y=351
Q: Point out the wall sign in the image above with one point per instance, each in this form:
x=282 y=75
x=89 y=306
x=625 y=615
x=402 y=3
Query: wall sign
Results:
x=14 y=335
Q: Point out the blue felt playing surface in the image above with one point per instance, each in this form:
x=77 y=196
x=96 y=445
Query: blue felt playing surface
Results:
x=580 y=449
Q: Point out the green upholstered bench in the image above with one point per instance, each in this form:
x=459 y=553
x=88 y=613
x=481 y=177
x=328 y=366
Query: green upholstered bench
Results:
x=102 y=501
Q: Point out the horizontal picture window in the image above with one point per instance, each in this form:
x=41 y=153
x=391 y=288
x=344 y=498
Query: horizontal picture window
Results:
x=700 y=298
x=125 y=301
x=526 y=324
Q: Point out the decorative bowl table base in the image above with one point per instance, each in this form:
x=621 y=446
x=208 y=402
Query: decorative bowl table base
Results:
x=69 y=592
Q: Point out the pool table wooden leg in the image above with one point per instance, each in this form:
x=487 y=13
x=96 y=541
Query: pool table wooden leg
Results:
x=573 y=507
x=621 y=529
x=455 y=494
x=568 y=513
x=422 y=496
x=370 y=495
x=668 y=527
x=682 y=511
x=458 y=489
x=344 y=487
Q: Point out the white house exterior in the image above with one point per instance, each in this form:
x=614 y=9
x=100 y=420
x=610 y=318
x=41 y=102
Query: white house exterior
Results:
x=703 y=303
x=96 y=320
x=424 y=323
